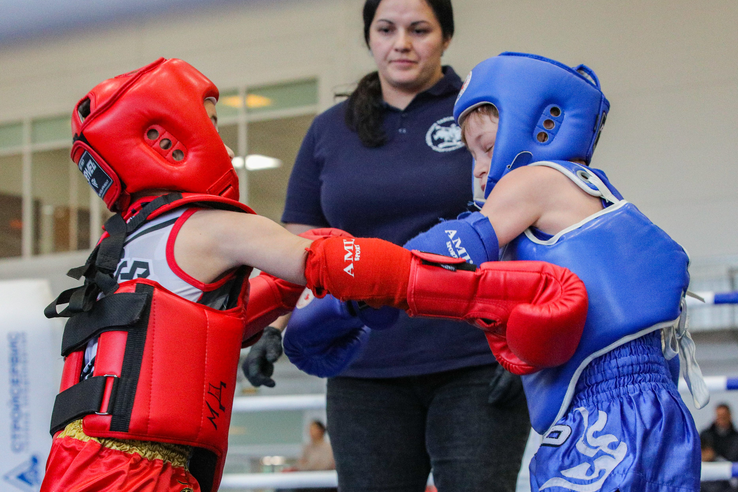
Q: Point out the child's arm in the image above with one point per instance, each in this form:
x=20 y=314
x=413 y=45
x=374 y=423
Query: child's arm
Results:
x=212 y=242
x=536 y=196
x=382 y=273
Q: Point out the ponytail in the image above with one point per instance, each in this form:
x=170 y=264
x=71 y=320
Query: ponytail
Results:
x=365 y=112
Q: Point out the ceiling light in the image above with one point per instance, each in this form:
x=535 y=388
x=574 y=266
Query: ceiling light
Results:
x=257 y=101
x=256 y=162
x=252 y=101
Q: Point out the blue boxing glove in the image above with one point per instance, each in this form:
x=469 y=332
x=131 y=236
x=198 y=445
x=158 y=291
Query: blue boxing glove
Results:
x=470 y=237
x=323 y=336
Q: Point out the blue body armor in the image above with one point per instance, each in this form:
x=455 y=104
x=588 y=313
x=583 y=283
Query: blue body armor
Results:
x=635 y=275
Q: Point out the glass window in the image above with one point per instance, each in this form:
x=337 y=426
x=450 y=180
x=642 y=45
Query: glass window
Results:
x=279 y=138
x=282 y=96
x=229 y=135
x=55 y=129
x=62 y=195
x=11 y=205
x=11 y=135
x=254 y=428
x=270 y=121
x=229 y=103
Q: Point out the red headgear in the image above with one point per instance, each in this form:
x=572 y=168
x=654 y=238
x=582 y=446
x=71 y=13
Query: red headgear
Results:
x=149 y=130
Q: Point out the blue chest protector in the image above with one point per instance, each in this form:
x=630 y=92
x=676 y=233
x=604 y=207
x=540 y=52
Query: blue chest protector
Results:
x=635 y=275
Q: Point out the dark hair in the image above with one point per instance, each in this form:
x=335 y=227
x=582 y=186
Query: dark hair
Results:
x=319 y=424
x=364 y=113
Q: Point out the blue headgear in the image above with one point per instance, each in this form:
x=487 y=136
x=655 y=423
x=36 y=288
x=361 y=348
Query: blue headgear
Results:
x=548 y=111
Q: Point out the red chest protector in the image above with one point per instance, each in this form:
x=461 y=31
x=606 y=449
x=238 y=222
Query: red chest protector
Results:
x=166 y=367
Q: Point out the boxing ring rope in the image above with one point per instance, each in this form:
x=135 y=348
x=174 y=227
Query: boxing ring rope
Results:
x=712 y=298
x=321 y=479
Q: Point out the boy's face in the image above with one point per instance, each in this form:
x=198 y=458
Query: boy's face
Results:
x=481 y=134
x=213 y=115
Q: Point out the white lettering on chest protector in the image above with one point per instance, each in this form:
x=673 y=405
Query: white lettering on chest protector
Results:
x=353 y=253
x=455 y=248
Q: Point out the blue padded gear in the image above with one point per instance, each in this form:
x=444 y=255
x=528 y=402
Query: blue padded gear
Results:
x=547 y=110
x=375 y=318
x=470 y=236
x=324 y=336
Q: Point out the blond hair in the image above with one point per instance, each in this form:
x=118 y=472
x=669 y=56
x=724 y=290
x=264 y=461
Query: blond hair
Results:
x=489 y=110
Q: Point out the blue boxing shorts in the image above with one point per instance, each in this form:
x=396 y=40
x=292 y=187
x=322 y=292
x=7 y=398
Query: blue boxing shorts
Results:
x=627 y=429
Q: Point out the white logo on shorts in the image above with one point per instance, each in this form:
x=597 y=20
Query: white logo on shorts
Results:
x=603 y=465
x=444 y=135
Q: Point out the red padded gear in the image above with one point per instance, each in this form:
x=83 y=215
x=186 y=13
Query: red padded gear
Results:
x=198 y=343
x=202 y=347
x=149 y=130
x=362 y=269
x=533 y=313
x=324 y=232
x=269 y=298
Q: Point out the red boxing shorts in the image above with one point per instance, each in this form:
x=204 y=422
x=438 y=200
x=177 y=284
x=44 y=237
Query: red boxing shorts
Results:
x=79 y=463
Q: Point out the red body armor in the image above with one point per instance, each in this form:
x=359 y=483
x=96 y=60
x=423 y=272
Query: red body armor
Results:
x=165 y=368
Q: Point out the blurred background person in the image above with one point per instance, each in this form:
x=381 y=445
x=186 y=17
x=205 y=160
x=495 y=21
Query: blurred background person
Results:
x=317 y=454
x=721 y=434
x=709 y=456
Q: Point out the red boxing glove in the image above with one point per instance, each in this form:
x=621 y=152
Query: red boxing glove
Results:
x=362 y=269
x=324 y=232
x=269 y=298
x=533 y=312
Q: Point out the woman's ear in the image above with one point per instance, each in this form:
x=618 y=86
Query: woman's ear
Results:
x=446 y=43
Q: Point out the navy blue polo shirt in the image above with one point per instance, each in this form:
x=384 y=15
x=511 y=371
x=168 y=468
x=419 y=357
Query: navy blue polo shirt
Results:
x=420 y=175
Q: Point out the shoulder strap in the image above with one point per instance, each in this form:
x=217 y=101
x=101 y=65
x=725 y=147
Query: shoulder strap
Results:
x=585 y=178
x=99 y=269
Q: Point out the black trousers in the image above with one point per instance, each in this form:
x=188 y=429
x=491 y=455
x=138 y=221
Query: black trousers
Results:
x=387 y=434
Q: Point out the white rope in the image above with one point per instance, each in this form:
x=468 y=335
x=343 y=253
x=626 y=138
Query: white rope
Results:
x=320 y=479
x=715 y=383
x=293 y=480
x=719 y=471
x=708 y=298
x=296 y=480
x=265 y=403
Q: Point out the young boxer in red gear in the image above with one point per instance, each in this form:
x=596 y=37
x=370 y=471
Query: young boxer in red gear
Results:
x=166 y=290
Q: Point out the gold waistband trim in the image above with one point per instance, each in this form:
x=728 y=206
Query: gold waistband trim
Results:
x=175 y=454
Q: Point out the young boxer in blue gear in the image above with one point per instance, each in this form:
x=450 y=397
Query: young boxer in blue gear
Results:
x=611 y=417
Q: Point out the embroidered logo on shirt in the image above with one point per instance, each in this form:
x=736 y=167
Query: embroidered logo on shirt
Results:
x=444 y=135
x=589 y=477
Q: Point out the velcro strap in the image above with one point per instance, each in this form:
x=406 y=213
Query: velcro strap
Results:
x=446 y=262
x=116 y=312
x=79 y=400
x=138 y=220
x=110 y=248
